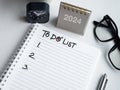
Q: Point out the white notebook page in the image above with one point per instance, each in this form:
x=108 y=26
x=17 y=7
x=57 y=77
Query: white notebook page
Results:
x=51 y=61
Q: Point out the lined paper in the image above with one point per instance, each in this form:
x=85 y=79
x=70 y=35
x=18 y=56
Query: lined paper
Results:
x=47 y=64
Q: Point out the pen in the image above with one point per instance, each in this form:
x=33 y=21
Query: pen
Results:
x=103 y=82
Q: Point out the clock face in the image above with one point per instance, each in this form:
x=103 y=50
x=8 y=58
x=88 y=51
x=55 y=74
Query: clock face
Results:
x=37 y=12
x=38 y=16
x=32 y=15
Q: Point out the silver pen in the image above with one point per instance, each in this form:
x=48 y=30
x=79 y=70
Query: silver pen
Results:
x=102 y=83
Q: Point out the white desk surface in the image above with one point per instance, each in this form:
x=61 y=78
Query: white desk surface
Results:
x=13 y=26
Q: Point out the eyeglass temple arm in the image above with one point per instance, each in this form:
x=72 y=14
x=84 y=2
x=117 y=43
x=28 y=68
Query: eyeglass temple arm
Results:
x=99 y=24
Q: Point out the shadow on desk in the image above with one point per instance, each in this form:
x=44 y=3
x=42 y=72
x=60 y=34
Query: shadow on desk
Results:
x=19 y=6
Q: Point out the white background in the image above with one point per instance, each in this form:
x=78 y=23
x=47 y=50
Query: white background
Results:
x=13 y=26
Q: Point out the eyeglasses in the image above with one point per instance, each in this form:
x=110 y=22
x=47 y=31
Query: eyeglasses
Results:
x=105 y=31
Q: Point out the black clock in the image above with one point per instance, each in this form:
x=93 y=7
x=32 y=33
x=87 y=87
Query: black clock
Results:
x=37 y=12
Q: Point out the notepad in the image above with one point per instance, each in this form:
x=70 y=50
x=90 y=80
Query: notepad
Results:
x=48 y=60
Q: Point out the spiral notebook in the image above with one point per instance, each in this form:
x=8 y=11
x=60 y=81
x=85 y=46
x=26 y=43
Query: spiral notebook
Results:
x=48 y=60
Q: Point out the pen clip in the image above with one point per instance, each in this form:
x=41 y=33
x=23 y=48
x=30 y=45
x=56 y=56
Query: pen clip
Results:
x=105 y=84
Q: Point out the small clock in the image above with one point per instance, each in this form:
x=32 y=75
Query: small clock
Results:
x=37 y=12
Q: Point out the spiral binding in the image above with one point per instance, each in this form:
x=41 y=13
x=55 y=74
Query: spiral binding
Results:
x=6 y=71
x=75 y=8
